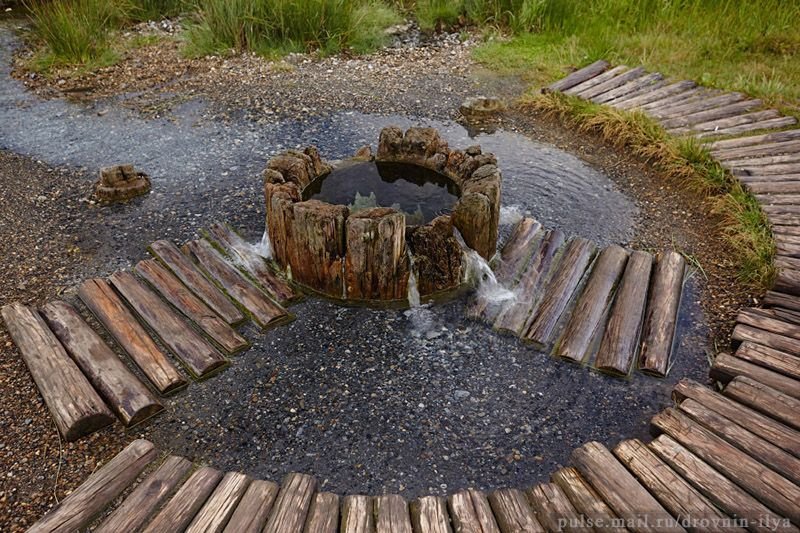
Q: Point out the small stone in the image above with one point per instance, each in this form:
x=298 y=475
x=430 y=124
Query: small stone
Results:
x=461 y=394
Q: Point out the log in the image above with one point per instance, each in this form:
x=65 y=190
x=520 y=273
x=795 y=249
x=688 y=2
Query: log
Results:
x=197 y=355
x=291 y=507
x=667 y=91
x=391 y=514
x=584 y=498
x=429 y=515
x=778 y=219
x=579 y=76
x=697 y=117
x=779 y=299
x=768 y=124
x=594 y=81
x=691 y=95
x=769 y=358
x=763 y=398
x=681 y=109
x=658 y=336
x=513 y=512
x=191 y=306
x=755 y=162
x=745 y=333
x=245 y=256
x=769 y=487
x=738 y=120
x=643 y=90
x=786 y=147
x=587 y=319
x=179 y=511
x=254 y=507
x=620 y=341
x=471 y=512
x=554 y=511
x=357 y=514
x=727 y=367
x=774 y=187
x=627 y=88
x=74 y=405
x=190 y=275
x=777 y=169
x=675 y=494
x=766 y=138
x=517 y=251
x=719 y=490
x=559 y=290
x=212 y=517
x=130 y=399
x=628 y=499
x=786 y=280
x=77 y=510
x=612 y=83
x=146 y=497
x=259 y=306
x=323 y=515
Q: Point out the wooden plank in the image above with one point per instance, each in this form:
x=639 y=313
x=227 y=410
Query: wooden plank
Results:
x=620 y=341
x=254 y=507
x=626 y=88
x=584 y=498
x=777 y=169
x=692 y=95
x=586 y=321
x=719 y=490
x=559 y=290
x=191 y=306
x=579 y=76
x=215 y=513
x=769 y=487
x=766 y=138
x=594 y=81
x=392 y=515
x=74 y=405
x=612 y=83
x=727 y=367
x=763 y=398
x=429 y=515
x=774 y=187
x=146 y=497
x=667 y=91
x=264 y=311
x=78 y=509
x=779 y=299
x=108 y=308
x=763 y=161
x=661 y=319
x=130 y=399
x=768 y=124
x=745 y=333
x=684 y=109
x=471 y=512
x=642 y=90
x=179 y=511
x=787 y=281
x=628 y=499
x=513 y=512
x=786 y=147
x=738 y=120
x=671 y=490
x=323 y=515
x=554 y=511
x=291 y=507
x=753 y=445
x=197 y=355
x=775 y=360
x=713 y=113
x=357 y=514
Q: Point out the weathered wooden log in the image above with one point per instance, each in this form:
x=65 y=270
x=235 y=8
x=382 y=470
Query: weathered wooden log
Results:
x=774 y=187
x=757 y=162
x=658 y=94
x=748 y=333
x=765 y=171
x=74 y=405
x=554 y=511
x=191 y=306
x=429 y=514
x=292 y=504
x=726 y=367
x=691 y=95
x=584 y=498
x=179 y=511
x=658 y=335
x=594 y=81
x=300 y=167
x=437 y=255
x=777 y=148
x=477 y=212
x=130 y=399
x=264 y=311
x=108 y=308
x=764 y=398
x=513 y=512
x=768 y=124
x=769 y=358
x=357 y=514
x=323 y=514
x=579 y=76
x=779 y=299
x=634 y=85
x=586 y=321
x=696 y=106
x=787 y=280
x=212 y=517
x=620 y=341
x=78 y=509
x=391 y=514
x=753 y=140
x=698 y=117
x=644 y=89
x=613 y=83
x=738 y=120
x=280 y=215
x=559 y=290
x=146 y=497
x=197 y=355
x=253 y=510
x=471 y=512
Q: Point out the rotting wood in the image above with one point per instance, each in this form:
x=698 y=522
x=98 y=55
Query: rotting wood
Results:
x=660 y=323
x=179 y=511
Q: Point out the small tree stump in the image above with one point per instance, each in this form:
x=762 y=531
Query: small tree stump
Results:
x=120 y=183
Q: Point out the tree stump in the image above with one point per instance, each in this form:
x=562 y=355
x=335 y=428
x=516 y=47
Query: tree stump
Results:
x=317 y=246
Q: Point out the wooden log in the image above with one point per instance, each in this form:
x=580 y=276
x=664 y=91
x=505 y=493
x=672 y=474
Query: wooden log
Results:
x=761 y=397
x=643 y=89
x=579 y=76
x=719 y=490
x=664 y=92
x=753 y=445
x=594 y=81
x=626 y=88
x=620 y=341
x=554 y=511
x=514 y=314
x=788 y=230
x=774 y=187
x=671 y=490
x=559 y=290
x=181 y=509
x=727 y=367
x=713 y=113
x=779 y=299
x=775 y=360
x=471 y=512
x=585 y=499
x=738 y=120
x=264 y=311
x=429 y=515
x=291 y=507
x=778 y=219
x=764 y=161
x=323 y=515
x=787 y=281
x=692 y=95
x=612 y=83
x=778 y=169
x=684 y=109
x=768 y=124
x=778 y=209
x=745 y=333
x=78 y=509
x=769 y=487
x=766 y=138
x=513 y=512
x=788 y=263
x=517 y=251
x=215 y=513
x=197 y=355
x=190 y=275
x=786 y=147
x=74 y=405
x=585 y=323
x=628 y=499
x=146 y=497
x=130 y=399
x=391 y=514
x=254 y=507
x=658 y=335
x=191 y=306
x=245 y=256
x=788 y=201
x=782 y=436
x=357 y=514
